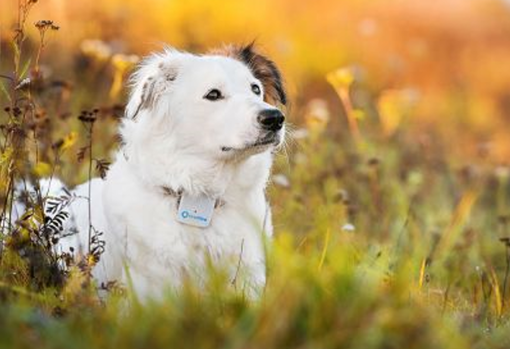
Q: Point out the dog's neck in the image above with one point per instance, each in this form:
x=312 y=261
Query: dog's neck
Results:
x=221 y=180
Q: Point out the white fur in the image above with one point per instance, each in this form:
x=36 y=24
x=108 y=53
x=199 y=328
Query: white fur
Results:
x=180 y=140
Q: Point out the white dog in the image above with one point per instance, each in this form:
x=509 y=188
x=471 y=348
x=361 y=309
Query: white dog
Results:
x=186 y=189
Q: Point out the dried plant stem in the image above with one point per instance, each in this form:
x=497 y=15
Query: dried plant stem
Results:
x=507 y=272
x=7 y=205
x=349 y=111
x=43 y=26
x=39 y=52
x=91 y=130
x=24 y=7
x=6 y=77
x=15 y=138
x=238 y=268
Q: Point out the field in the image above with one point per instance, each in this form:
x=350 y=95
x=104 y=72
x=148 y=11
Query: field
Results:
x=391 y=199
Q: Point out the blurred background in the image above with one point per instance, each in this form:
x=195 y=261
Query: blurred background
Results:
x=394 y=186
x=447 y=62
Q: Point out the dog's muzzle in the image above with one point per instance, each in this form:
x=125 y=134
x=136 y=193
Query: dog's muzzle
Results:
x=271 y=120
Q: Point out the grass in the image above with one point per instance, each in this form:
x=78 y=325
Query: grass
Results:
x=386 y=236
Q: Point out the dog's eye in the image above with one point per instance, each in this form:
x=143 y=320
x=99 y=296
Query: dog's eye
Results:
x=255 y=89
x=213 y=95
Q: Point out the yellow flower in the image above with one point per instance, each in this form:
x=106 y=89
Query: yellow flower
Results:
x=121 y=64
x=42 y=169
x=394 y=106
x=69 y=140
x=341 y=78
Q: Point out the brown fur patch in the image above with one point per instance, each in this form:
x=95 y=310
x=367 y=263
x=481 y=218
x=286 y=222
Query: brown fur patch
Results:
x=262 y=68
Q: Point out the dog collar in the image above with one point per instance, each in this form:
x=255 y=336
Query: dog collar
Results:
x=196 y=210
x=218 y=203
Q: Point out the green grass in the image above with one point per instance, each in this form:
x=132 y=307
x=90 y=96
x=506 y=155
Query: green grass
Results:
x=328 y=287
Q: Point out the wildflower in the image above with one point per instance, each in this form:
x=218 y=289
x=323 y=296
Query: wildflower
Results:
x=121 y=63
x=341 y=78
x=96 y=49
x=394 y=107
x=68 y=141
x=317 y=115
x=45 y=24
x=281 y=180
x=88 y=117
x=348 y=227
x=42 y=169
x=16 y=111
x=23 y=84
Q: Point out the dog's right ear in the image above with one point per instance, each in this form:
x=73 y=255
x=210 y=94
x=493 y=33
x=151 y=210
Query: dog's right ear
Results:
x=152 y=77
x=262 y=68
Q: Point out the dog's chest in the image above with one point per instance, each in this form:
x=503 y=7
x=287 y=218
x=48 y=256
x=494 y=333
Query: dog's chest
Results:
x=154 y=236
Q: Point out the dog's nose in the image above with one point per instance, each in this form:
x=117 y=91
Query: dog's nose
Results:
x=271 y=119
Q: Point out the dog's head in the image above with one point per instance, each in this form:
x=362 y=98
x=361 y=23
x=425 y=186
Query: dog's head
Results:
x=223 y=105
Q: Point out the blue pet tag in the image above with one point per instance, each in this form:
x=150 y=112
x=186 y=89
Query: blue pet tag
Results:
x=196 y=210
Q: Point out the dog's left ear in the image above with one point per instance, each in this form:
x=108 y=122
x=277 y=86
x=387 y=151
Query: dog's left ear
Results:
x=263 y=69
x=153 y=76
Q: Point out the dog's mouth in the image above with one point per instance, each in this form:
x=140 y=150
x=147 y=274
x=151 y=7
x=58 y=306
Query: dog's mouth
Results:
x=269 y=139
